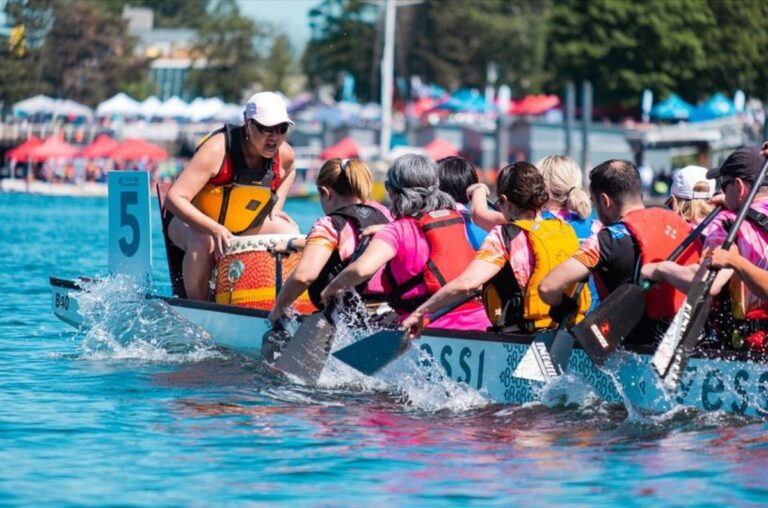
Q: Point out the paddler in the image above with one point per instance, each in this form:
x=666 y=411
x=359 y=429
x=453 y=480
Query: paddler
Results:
x=344 y=187
x=236 y=184
x=749 y=302
x=633 y=236
x=513 y=258
x=424 y=248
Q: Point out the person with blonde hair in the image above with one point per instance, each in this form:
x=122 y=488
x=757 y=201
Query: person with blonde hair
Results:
x=567 y=198
x=691 y=192
x=344 y=187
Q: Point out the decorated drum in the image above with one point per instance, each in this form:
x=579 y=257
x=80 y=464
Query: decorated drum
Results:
x=245 y=276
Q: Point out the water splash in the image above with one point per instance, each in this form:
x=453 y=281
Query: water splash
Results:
x=119 y=322
x=417 y=381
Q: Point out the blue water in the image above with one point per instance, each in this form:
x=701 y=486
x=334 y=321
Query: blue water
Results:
x=87 y=422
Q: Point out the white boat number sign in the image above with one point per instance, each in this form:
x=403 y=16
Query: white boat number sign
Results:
x=130 y=245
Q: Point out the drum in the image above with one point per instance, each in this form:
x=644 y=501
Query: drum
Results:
x=245 y=276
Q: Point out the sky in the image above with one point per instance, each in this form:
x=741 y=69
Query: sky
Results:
x=290 y=16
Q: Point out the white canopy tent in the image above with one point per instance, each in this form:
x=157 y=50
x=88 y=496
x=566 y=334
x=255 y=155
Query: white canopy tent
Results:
x=37 y=105
x=66 y=107
x=149 y=107
x=205 y=109
x=173 y=108
x=119 y=105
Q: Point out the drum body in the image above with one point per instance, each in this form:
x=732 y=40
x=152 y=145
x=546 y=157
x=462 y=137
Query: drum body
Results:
x=245 y=276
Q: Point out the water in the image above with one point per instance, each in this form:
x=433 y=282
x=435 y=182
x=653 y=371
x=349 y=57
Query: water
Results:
x=117 y=416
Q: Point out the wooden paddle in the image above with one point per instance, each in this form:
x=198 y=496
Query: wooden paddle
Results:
x=686 y=329
x=371 y=354
x=602 y=331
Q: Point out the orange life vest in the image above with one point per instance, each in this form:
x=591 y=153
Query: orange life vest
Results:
x=658 y=232
x=449 y=254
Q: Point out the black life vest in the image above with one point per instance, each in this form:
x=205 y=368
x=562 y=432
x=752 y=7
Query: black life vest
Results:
x=449 y=254
x=359 y=217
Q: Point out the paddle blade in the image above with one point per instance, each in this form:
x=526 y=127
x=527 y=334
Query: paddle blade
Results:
x=306 y=352
x=560 y=351
x=668 y=348
x=373 y=353
x=601 y=332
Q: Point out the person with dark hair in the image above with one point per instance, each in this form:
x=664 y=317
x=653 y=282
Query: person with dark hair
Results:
x=632 y=236
x=424 y=247
x=456 y=176
x=513 y=259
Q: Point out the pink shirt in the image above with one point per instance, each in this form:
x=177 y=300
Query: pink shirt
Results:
x=517 y=253
x=323 y=233
x=411 y=248
x=752 y=243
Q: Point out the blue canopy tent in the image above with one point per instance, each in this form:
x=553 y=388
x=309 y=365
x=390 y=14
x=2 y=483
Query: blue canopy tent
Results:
x=717 y=106
x=469 y=100
x=672 y=108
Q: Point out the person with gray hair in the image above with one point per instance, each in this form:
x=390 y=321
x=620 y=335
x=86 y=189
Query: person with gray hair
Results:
x=423 y=249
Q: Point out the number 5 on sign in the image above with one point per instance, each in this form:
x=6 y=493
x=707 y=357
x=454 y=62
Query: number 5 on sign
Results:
x=130 y=241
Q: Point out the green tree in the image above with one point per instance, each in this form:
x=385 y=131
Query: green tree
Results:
x=167 y=13
x=74 y=50
x=279 y=65
x=343 y=39
x=228 y=47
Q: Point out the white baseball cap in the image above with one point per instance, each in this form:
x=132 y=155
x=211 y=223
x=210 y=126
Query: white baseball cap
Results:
x=266 y=108
x=684 y=180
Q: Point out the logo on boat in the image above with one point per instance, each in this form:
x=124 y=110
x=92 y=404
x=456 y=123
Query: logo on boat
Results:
x=600 y=331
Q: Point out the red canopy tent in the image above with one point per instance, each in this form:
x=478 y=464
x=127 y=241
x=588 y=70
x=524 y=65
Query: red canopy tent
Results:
x=534 y=105
x=20 y=153
x=439 y=148
x=344 y=149
x=53 y=147
x=133 y=149
x=102 y=146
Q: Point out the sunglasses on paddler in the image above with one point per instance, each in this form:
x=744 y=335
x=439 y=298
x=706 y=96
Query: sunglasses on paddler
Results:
x=275 y=129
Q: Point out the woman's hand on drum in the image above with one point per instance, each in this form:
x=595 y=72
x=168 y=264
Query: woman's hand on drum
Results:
x=222 y=237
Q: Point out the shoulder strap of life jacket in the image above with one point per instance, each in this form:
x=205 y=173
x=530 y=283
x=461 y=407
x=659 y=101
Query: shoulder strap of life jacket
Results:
x=360 y=217
x=449 y=254
x=658 y=232
x=502 y=296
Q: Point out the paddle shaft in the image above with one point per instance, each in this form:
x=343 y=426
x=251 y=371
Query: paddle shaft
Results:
x=695 y=233
x=278 y=273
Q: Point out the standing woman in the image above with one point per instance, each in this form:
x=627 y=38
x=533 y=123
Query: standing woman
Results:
x=236 y=183
x=344 y=187
x=422 y=249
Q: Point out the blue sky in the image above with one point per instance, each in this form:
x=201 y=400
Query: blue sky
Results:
x=291 y=16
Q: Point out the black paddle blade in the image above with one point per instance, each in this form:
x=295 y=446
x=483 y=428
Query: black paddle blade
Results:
x=373 y=353
x=306 y=352
x=681 y=325
x=601 y=332
x=560 y=351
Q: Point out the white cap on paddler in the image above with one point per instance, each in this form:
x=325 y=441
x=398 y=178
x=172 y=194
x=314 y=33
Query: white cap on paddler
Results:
x=267 y=109
x=684 y=180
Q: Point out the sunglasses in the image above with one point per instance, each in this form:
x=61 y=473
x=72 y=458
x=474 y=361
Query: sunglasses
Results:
x=275 y=129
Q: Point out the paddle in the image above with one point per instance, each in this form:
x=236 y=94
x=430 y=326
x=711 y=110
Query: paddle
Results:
x=371 y=354
x=549 y=353
x=306 y=352
x=686 y=329
x=278 y=273
x=602 y=331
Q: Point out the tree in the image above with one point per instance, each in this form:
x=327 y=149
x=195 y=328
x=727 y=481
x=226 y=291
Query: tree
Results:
x=167 y=13
x=74 y=50
x=227 y=46
x=279 y=65
x=343 y=38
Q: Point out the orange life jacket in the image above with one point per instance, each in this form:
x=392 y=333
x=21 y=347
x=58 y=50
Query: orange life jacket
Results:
x=449 y=254
x=658 y=232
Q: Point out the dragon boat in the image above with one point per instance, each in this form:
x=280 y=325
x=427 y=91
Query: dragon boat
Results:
x=497 y=365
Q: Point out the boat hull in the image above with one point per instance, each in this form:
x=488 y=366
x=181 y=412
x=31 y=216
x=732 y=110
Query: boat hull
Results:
x=495 y=364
